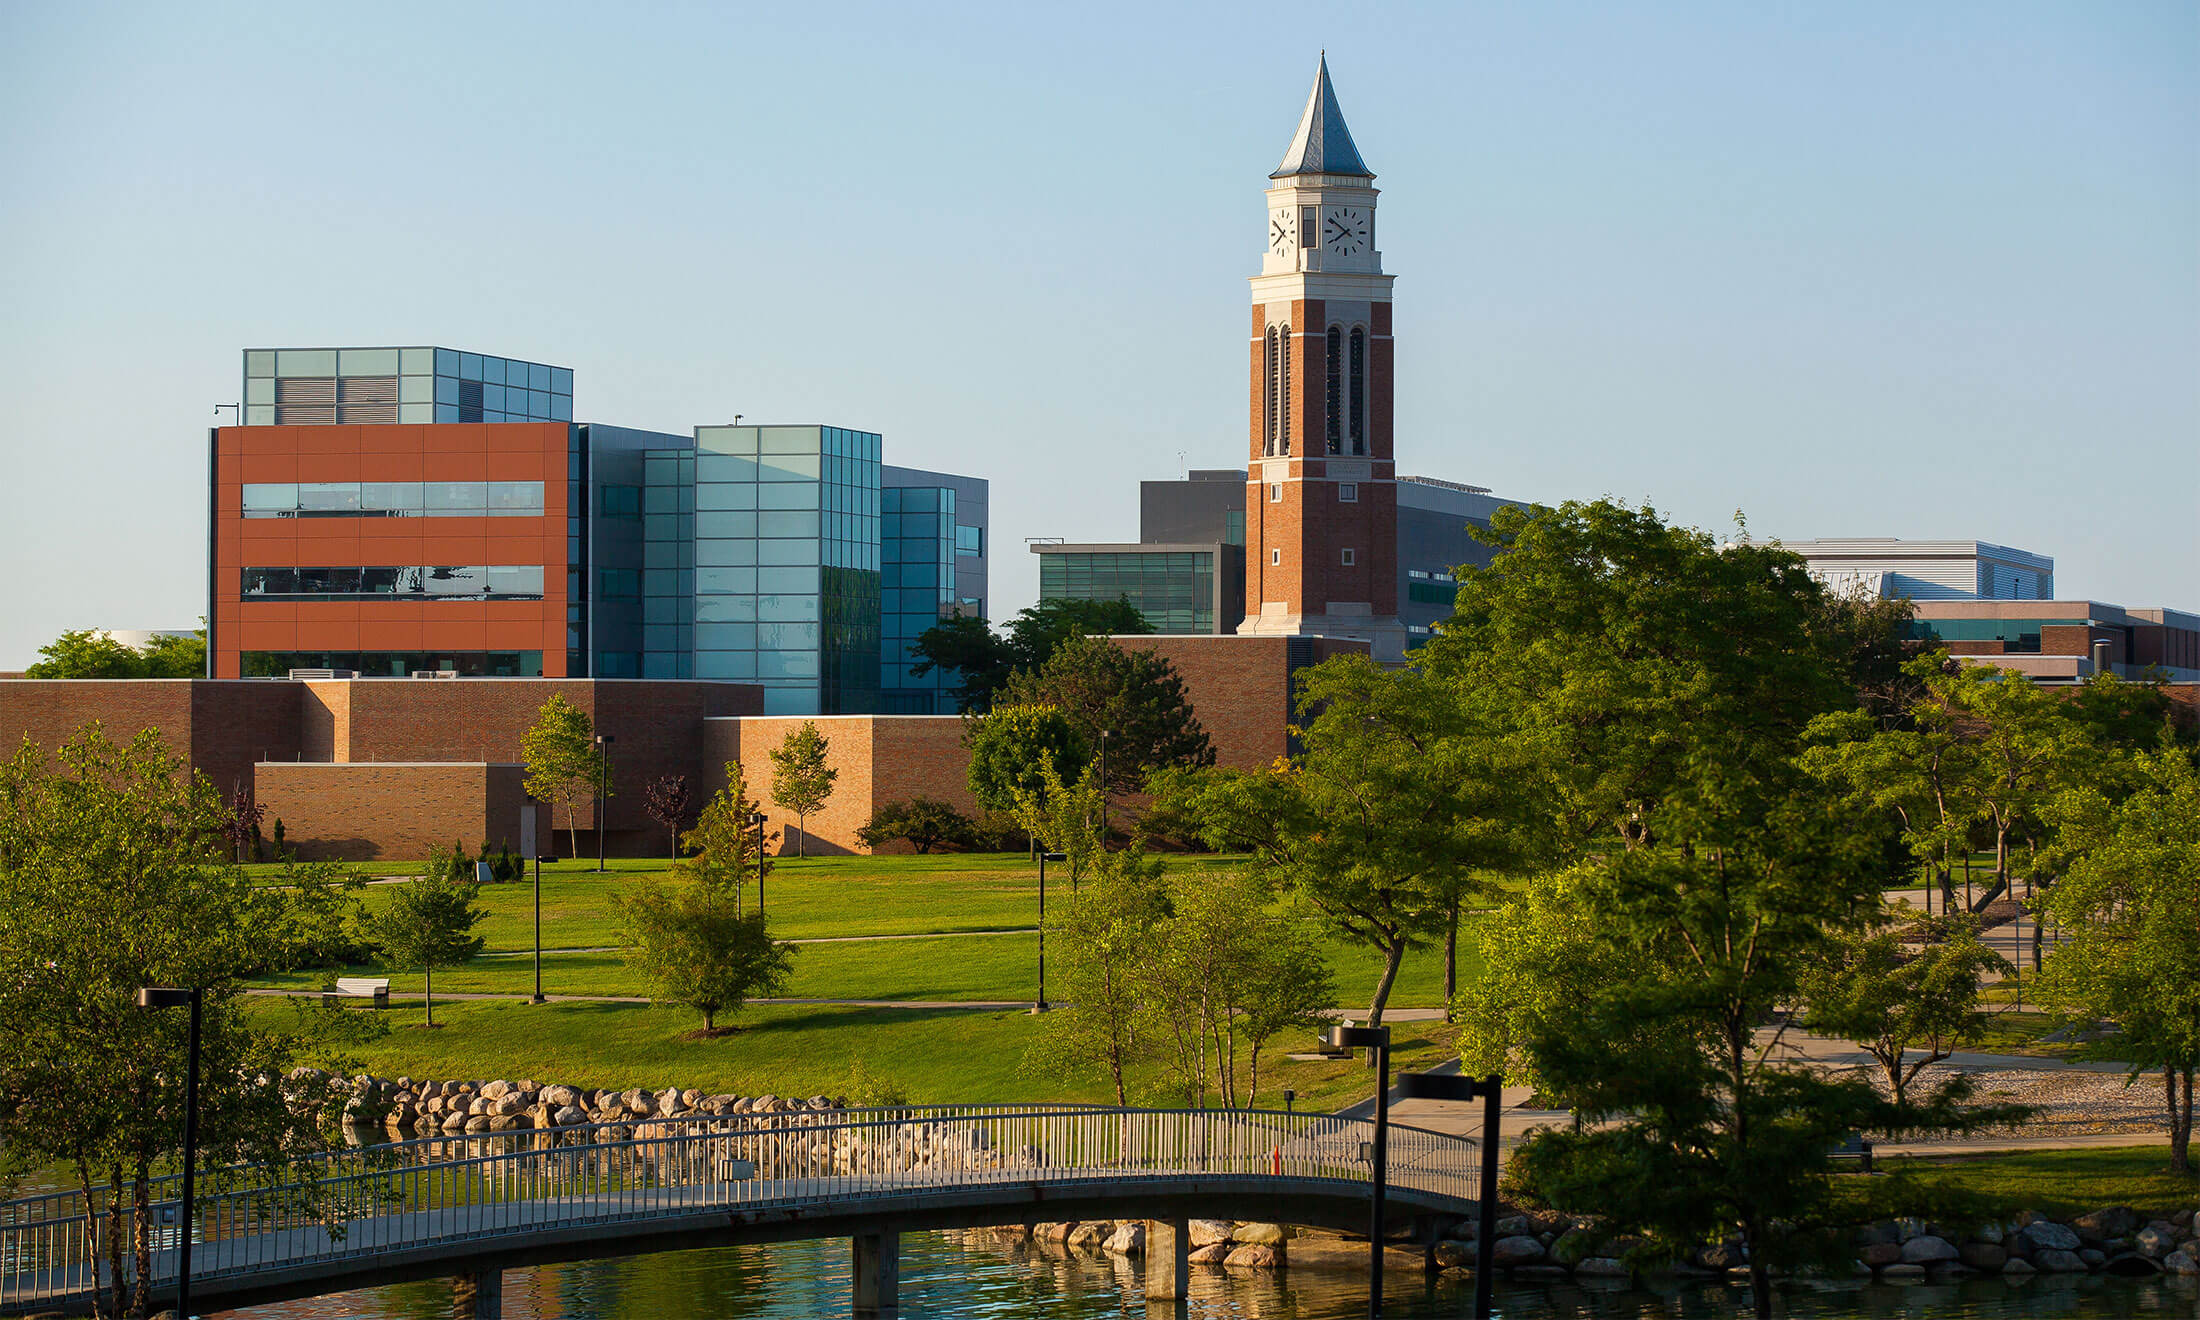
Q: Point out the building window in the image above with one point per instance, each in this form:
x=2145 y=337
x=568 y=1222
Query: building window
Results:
x=1268 y=396
x=1283 y=391
x=1310 y=235
x=1348 y=492
x=1275 y=492
x=376 y=583
x=1333 y=394
x=1275 y=557
x=1420 y=573
x=1357 y=409
x=1348 y=558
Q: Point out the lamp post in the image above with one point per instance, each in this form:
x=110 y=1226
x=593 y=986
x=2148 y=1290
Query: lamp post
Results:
x=539 y=860
x=1490 y=1091
x=1039 y=1005
x=1105 y=734
x=171 y=997
x=1289 y=1095
x=603 y=790
x=1376 y=1039
x=756 y=818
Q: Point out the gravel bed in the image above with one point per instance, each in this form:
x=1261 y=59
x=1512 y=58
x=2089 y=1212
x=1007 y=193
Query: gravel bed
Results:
x=2068 y=1103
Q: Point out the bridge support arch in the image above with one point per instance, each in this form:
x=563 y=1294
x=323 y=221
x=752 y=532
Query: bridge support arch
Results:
x=877 y=1275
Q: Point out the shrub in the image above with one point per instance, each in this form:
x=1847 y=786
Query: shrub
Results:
x=925 y=822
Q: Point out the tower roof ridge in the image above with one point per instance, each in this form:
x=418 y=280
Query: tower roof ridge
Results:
x=1323 y=145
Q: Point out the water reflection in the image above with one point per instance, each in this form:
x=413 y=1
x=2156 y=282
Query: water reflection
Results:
x=976 y=1276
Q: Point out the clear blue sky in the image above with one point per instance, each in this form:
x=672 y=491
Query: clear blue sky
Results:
x=1857 y=269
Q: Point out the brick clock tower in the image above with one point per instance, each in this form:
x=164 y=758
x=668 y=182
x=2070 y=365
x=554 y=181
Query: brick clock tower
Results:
x=1321 y=503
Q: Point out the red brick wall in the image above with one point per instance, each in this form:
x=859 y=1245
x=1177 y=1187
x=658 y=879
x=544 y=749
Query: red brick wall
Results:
x=395 y=812
x=221 y=727
x=505 y=451
x=881 y=758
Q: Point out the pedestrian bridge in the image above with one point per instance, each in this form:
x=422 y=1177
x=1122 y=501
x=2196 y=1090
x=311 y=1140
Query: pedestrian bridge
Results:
x=476 y=1205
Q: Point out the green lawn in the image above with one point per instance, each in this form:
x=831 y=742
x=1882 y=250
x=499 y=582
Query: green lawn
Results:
x=940 y=1056
x=2056 y=1182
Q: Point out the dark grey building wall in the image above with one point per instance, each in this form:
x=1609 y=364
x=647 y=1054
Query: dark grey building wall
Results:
x=1194 y=511
x=1434 y=540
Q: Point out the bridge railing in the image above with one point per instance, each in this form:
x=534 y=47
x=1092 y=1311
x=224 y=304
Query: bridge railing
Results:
x=369 y=1200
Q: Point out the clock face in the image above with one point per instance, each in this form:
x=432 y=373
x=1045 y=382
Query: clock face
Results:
x=1346 y=230
x=1282 y=232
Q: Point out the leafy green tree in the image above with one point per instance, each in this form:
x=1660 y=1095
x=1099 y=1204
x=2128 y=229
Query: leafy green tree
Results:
x=429 y=923
x=564 y=764
x=1135 y=697
x=802 y=780
x=924 y=822
x=169 y=656
x=695 y=946
x=113 y=877
x=1106 y=937
x=1065 y=818
x=1908 y=1010
x=982 y=660
x=1649 y=689
x=1008 y=747
x=2128 y=903
x=87 y=653
x=725 y=851
x=1224 y=978
x=1388 y=818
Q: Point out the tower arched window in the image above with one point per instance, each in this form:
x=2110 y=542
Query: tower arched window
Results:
x=1268 y=396
x=1283 y=391
x=1358 y=369
x=1333 y=400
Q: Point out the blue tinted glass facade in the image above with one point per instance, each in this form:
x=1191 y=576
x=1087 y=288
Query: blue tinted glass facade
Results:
x=917 y=590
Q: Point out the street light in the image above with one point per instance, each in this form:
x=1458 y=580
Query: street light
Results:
x=1289 y=1095
x=1040 y=1005
x=756 y=818
x=170 y=997
x=539 y=860
x=603 y=790
x=1490 y=1091
x=1376 y=1039
x=1105 y=734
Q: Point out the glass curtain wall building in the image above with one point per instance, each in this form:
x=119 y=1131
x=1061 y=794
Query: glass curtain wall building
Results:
x=932 y=554
x=786 y=564
x=348 y=386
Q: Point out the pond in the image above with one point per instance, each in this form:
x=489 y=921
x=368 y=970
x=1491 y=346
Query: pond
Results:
x=975 y=1277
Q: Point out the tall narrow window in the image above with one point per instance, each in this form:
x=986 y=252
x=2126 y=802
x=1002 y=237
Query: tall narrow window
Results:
x=1283 y=391
x=1333 y=369
x=1268 y=395
x=1358 y=411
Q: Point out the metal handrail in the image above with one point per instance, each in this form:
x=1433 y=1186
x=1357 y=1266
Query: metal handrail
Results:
x=358 y=1203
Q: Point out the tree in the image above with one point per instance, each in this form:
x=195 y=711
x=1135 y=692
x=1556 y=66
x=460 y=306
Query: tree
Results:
x=696 y=947
x=245 y=816
x=801 y=779
x=1064 y=818
x=725 y=850
x=91 y=653
x=429 y=923
x=2128 y=902
x=925 y=822
x=1388 y=819
x=1135 y=697
x=666 y=800
x=1008 y=747
x=1648 y=688
x=983 y=660
x=1868 y=987
x=1106 y=936
x=113 y=877
x=564 y=764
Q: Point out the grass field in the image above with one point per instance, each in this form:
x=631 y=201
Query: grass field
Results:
x=943 y=1056
x=2057 y=1182
x=840 y=897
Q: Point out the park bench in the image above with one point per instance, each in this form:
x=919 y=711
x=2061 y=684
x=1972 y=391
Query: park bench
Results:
x=1855 y=1147
x=359 y=987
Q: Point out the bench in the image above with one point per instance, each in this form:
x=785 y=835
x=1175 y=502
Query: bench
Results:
x=359 y=987
x=1855 y=1147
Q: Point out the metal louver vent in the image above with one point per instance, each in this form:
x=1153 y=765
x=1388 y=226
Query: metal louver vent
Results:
x=367 y=389
x=355 y=413
x=306 y=415
x=306 y=389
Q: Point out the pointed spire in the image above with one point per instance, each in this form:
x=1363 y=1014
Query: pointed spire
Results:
x=1323 y=144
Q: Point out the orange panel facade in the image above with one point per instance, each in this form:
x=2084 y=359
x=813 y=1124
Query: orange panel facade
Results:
x=407 y=633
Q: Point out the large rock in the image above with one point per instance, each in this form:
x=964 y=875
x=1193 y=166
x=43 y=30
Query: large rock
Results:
x=1880 y=1254
x=1207 y=1232
x=2182 y=1261
x=1519 y=1249
x=496 y=1090
x=1902 y=1270
x=1925 y=1249
x=2017 y=1268
x=2047 y=1235
x=1450 y=1255
x=454 y=1122
x=1602 y=1267
x=1127 y=1240
x=1987 y=1232
x=1573 y=1246
x=2108 y=1224
x=1267 y=1235
x=1054 y=1232
x=1982 y=1256
x=570 y=1116
x=2054 y=1260
x=2155 y=1241
x=1214 y=1253
x=1091 y=1235
x=558 y=1097
x=1254 y=1256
